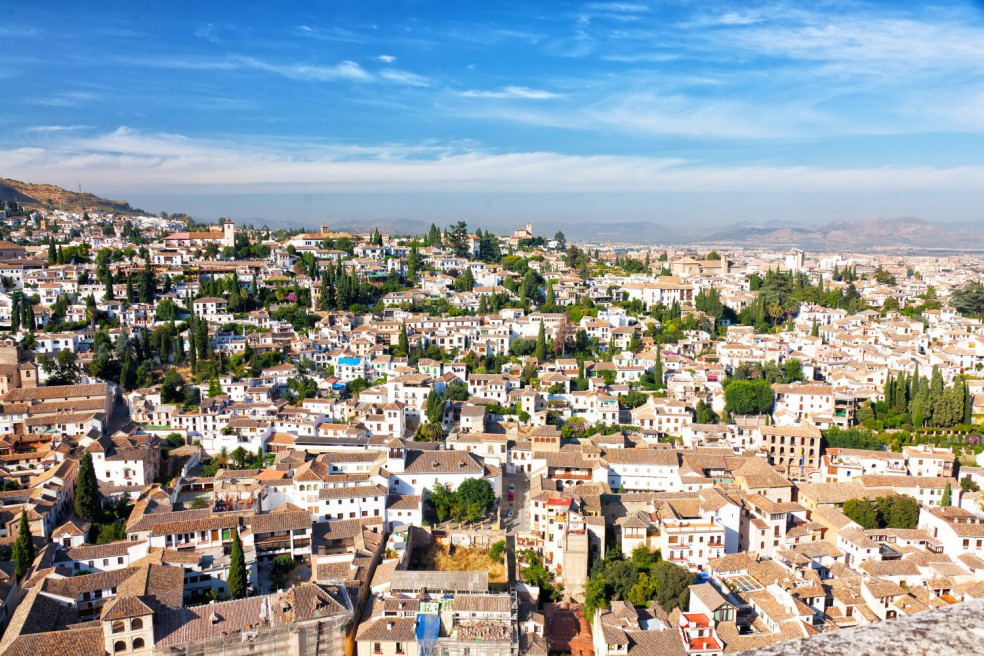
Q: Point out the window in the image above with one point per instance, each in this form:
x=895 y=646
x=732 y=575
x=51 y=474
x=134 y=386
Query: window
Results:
x=119 y=626
x=136 y=625
x=138 y=643
x=377 y=648
x=119 y=646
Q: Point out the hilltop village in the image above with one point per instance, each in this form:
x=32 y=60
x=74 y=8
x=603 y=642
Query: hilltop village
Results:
x=221 y=439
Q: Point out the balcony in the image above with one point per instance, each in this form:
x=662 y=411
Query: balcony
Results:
x=578 y=476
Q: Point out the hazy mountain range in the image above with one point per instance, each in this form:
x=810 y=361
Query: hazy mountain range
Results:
x=875 y=232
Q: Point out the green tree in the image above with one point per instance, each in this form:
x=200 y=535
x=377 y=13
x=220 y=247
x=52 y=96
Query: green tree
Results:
x=476 y=496
x=749 y=397
x=23 y=550
x=62 y=369
x=530 y=287
x=540 y=353
x=658 y=369
x=898 y=511
x=434 y=407
x=645 y=589
x=237 y=580
x=596 y=596
x=440 y=499
x=88 y=499
x=465 y=282
x=172 y=389
x=283 y=565
x=673 y=584
x=946 y=500
x=642 y=557
x=214 y=387
x=404 y=342
x=863 y=512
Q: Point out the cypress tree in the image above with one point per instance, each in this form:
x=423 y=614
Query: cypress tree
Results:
x=88 y=500
x=15 y=314
x=237 y=580
x=901 y=402
x=935 y=408
x=404 y=343
x=541 y=344
x=889 y=391
x=945 y=501
x=968 y=405
x=128 y=374
x=914 y=387
x=658 y=369
x=108 y=296
x=129 y=289
x=28 y=320
x=23 y=549
x=551 y=298
x=52 y=253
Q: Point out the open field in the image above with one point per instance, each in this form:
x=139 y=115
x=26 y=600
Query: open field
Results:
x=435 y=557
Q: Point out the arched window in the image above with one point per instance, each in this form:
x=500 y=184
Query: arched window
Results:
x=136 y=625
x=138 y=643
x=119 y=647
x=119 y=626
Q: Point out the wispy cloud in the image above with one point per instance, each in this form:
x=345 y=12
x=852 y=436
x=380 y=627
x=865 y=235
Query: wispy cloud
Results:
x=404 y=77
x=210 y=33
x=49 y=129
x=345 y=70
x=629 y=7
x=388 y=59
x=511 y=92
x=64 y=99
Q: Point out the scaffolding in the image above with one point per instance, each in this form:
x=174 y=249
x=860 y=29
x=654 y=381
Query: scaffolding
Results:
x=428 y=630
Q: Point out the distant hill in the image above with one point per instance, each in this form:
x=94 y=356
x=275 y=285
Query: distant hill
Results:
x=874 y=232
x=46 y=196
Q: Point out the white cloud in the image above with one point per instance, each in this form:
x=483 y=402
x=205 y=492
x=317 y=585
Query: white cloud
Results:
x=127 y=159
x=388 y=59
x=404 y=77
x=64 y=99
x=525 y=93
x=626 y=7
x=48 y=129
x=347 y=70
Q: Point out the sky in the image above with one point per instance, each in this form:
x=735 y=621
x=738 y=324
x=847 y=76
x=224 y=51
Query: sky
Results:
x=683 y=113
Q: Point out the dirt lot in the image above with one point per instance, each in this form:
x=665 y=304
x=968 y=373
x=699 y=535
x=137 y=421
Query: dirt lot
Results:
x=462 y=560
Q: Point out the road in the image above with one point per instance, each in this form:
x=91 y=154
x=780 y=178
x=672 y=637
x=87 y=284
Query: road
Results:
x=520 y=521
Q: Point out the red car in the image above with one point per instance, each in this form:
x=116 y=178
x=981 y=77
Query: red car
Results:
x=511 y=496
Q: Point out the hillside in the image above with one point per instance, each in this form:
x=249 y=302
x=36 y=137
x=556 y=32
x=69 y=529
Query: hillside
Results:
x=874 y=232
x=46 y=196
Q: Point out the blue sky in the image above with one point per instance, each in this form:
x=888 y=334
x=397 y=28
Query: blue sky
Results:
x=675 y=112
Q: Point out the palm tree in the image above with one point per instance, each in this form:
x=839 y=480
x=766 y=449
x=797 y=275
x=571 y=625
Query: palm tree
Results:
x=223 y=455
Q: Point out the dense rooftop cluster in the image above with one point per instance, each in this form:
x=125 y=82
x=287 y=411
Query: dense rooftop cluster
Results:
x=224 y=439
